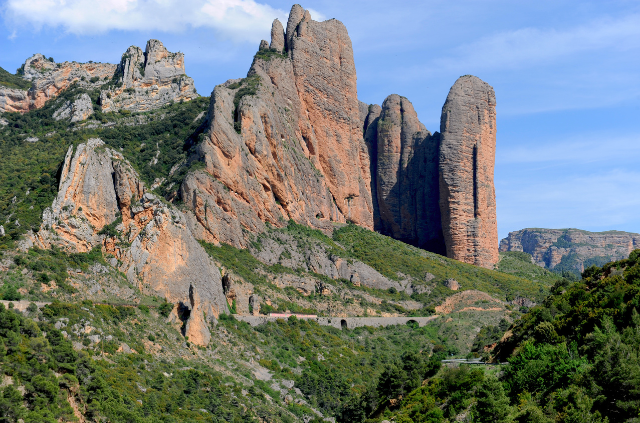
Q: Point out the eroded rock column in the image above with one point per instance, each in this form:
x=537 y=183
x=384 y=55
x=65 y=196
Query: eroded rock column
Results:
x=467 y=157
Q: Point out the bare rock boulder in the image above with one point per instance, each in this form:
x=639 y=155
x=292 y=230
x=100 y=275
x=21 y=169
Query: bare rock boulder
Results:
x=452 y=284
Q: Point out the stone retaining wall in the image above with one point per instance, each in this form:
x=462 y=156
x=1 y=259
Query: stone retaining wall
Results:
x=345 y=322
x=22 y=305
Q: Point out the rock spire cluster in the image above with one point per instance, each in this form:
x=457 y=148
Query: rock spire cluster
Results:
x=292 y=141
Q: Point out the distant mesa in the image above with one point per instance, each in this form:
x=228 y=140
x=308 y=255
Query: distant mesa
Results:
x=571 y=250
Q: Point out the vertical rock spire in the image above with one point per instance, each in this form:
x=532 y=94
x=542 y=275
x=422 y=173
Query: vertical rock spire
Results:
x=467 y=157
x=277 y=36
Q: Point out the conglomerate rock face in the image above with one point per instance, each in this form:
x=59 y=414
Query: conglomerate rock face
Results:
x=407 y=176
x=142 y=81
x=467 y=157
x=152 y=242
x=286 y=142
x=148 y=80
x=573 y=249
x=292 y=141
x=49 y=79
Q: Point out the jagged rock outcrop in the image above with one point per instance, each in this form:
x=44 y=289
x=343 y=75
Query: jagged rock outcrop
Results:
x=142 y=81
x=285 y=142
x=571 y=249
x=152 y=242
x=148 y=80
x=80 y=109
x=467 y=157
x=49 y=79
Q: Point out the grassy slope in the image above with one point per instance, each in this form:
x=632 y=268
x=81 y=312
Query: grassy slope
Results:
x=390 y=257
x=13 y=81
x=519 y=264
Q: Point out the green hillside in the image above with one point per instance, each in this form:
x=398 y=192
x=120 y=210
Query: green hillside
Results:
x=520 y=264
x=13 y=81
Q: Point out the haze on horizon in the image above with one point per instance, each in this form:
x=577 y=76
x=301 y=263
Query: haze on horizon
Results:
x=565 y=77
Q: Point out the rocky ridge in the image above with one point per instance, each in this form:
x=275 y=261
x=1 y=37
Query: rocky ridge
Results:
x=49 y=79
x=147 y=80
x=292 y=141
x=571 y=249
x=102 y=203
x=142 y=81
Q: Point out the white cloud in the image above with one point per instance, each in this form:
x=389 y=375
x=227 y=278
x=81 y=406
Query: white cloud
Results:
x=243 y=20
x=527 y=47
x=315 y=15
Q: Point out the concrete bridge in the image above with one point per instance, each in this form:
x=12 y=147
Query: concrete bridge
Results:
x=344 y=322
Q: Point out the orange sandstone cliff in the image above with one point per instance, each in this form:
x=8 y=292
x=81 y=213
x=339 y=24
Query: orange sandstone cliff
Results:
x=148 y=238
x=292 y=141
x=289 y=141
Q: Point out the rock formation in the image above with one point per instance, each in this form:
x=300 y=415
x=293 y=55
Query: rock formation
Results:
x=142 y=81
x=14 y=100
x=571 y=249
x=292 y=141
x=148 y=80
x=467 y=157
x=285 y=142
x=101 y=201
x=80 y=109
x=406 y=174
x=49 y=79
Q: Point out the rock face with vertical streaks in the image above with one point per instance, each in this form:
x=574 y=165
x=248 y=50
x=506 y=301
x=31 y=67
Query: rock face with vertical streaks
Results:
x=467 y=157
x=292 y=141
x=286 y=142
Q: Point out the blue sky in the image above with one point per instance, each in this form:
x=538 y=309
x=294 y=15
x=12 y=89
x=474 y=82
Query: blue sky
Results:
x=566 y=76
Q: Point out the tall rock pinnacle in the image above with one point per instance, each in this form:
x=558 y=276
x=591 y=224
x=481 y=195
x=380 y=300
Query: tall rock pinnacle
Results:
x=467 y=157
x=286 y=142
x=407 y=176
